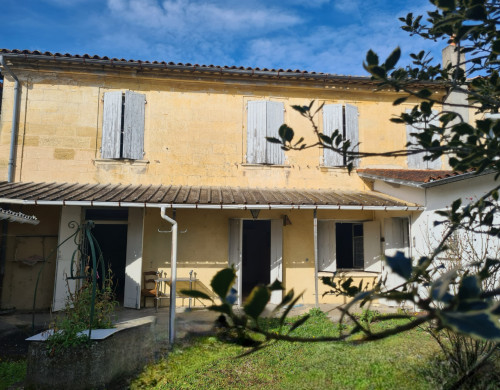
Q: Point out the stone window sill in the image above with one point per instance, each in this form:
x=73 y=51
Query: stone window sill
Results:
x=352 y=273
x=119 y=161
x=246 y=165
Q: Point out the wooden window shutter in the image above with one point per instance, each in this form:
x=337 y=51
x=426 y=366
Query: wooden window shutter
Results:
x=274 y=119
x=434 y=164
x=133 y=126
x=332 y=120
x=256 y=132
x=416 y=161
x=327 y=255
x=371 y=246
x=111 y=125
x=352 y=129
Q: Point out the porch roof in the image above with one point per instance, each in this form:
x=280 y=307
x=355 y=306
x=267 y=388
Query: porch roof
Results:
x=203 y=197
x=421 y=178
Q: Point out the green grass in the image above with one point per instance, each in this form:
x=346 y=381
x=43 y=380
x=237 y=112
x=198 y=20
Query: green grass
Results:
x=11 y=372
x=398 y=362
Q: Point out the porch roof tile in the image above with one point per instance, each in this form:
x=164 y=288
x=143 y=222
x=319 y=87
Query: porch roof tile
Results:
x=197 y=196
x=414 y=175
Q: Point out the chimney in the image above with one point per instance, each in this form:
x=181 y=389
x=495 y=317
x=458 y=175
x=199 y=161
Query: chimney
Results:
x=449 y=55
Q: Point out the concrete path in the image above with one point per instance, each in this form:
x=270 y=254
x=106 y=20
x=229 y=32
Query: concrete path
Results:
x=16 y=327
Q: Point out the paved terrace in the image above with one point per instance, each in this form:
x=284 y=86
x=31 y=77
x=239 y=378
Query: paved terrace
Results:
x=15 y=327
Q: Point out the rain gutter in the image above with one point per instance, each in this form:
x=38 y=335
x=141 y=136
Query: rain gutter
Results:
x=209 y=206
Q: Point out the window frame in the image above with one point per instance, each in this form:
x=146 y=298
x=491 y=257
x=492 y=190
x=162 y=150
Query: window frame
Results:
x=328 y=250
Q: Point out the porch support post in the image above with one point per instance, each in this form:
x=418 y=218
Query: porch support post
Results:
x=173 y=276
x=316 y=257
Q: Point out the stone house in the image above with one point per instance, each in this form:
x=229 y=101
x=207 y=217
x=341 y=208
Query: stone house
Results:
x=113 y=140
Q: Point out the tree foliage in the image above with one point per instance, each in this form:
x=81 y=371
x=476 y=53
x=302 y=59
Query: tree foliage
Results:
x=456 y=300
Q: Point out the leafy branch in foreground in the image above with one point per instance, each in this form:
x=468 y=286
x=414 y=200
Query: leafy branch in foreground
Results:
x=458 y=300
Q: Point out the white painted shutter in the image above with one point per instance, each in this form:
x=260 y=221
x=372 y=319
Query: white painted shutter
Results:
x=256 y=132
x=64 y=255
x=416 y=161
x=352 y=128
x=133 y=262
x=111 y=125
x=276 y=257
x=394 y=233
x=332 y=120
x=327 y=256
x=435 y=164
x=371 y=246
x=235 y=252
x=275 y=118
x=133 y=126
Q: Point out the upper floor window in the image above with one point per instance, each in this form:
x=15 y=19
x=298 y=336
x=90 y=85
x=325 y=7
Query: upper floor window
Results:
x=123 y=125
x=264 y=119
x=416 y=161
x=345 y=120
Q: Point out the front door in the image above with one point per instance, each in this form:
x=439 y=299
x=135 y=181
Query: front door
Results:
x=255 y=250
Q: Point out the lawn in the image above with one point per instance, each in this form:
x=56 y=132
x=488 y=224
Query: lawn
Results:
x=11 y=372
x=399 y=362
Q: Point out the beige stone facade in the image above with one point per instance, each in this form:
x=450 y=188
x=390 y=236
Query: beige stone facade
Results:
x=195 y=134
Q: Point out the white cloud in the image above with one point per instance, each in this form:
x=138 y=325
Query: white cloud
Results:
x=251 y=33
x=186 y=16
x=347 y=6
x=335 y=49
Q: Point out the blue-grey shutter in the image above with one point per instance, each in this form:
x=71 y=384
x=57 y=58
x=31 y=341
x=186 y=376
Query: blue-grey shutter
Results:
x=435 y=164
x=256 y=132
x=274 y=118
x=332 y=120
x=111 y=125
x=133 y=126
x=415 y=161
x=327 y=255
x=352 y=129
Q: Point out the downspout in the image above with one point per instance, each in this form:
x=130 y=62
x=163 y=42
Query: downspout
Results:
x=173 y=277
x=13 y=132
x=316 y=257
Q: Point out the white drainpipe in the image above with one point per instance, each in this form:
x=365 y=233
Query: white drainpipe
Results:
x=316 y=260
x=173 y=275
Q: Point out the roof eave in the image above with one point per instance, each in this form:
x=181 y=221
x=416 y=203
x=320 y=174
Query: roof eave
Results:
x=408 y=183
x=451 y=179
x=201 y=69
x=238 y=206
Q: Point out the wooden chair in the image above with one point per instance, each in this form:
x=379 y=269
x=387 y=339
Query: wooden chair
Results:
x=150 y=287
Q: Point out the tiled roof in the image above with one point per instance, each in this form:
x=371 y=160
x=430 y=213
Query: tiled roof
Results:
x=414 y=175
x=117 y=61
x=190 y=196
x=87 y=59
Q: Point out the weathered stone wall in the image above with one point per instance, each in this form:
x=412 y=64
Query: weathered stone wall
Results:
x=195 y=130
x=101 y=364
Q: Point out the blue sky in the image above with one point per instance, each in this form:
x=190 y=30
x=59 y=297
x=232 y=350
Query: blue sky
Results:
x=318 y=35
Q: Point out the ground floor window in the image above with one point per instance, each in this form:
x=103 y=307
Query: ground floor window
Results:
x=349 y=246
x=350 y=252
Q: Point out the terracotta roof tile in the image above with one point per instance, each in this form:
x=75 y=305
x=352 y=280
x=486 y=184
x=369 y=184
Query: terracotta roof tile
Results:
x=415 y=175
x=189 y=195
